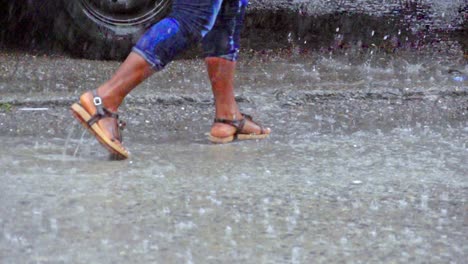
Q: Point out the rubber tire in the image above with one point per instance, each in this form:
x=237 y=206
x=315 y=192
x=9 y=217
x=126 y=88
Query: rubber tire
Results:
x=85 y=38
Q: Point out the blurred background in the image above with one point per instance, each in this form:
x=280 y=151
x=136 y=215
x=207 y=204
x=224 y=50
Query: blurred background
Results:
x=106 y=29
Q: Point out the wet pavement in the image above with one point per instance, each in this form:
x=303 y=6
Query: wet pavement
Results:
x=367 y=163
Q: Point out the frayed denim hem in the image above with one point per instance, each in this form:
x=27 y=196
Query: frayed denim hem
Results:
x=154 y=62
x=230 y=57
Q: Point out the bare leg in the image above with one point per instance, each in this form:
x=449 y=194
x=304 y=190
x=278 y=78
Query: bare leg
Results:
x=221 y=74
x=130 y=73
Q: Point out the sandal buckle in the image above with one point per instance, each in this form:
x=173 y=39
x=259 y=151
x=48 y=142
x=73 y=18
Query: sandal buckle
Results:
x=97 y=101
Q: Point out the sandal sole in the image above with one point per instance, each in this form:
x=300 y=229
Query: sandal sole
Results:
x=83 y=117
x=219 y=140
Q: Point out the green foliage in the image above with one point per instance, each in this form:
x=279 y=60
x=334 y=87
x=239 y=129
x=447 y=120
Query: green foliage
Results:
x=5 y=107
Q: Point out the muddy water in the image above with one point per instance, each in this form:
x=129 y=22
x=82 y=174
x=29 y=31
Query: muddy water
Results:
x=366 y=163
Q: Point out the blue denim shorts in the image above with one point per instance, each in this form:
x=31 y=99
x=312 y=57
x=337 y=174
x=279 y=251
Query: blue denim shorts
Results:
x=215 y=23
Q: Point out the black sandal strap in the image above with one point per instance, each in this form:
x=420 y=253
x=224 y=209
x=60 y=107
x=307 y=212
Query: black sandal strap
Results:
x=101 y=111
x=238 y=124
x=121 y=125
x=250 y=118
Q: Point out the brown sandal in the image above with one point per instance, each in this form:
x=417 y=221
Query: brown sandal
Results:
x=89 y=121
x=239 y=125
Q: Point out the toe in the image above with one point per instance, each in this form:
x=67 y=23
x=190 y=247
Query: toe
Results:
x=253 y=128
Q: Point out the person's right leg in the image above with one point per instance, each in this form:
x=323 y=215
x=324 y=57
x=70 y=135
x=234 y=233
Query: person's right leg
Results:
x=188 y=23
x=221 y=48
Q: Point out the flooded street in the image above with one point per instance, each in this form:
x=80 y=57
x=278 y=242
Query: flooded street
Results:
x=367 y=162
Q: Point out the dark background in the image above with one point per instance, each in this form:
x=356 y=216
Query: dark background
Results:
x=41 y=26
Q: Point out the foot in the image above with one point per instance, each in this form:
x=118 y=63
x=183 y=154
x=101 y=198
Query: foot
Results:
x=109 y=125
x=221 y=130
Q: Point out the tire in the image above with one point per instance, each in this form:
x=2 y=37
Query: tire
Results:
x=106 y=29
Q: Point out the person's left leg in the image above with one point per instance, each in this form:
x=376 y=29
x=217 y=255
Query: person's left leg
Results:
x=221 y=49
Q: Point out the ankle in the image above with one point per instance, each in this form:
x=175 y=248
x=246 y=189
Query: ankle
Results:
x=229 y=115
x=112 y=103
x=110 y=100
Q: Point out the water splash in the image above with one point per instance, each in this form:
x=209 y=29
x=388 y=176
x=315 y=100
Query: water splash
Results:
x=80 y=143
